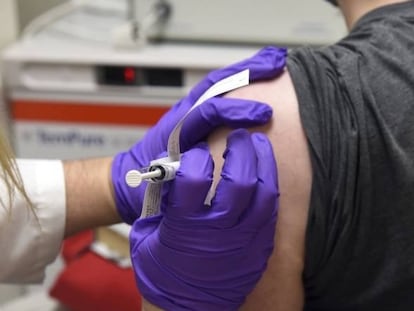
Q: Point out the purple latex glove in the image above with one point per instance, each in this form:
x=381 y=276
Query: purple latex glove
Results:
x=218 y=111
x=193 y=257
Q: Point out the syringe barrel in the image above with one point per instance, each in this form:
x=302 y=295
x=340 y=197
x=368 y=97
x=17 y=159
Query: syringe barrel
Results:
x=168 y=170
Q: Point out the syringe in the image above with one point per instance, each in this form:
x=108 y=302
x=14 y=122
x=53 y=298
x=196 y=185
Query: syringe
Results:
x=158 y=171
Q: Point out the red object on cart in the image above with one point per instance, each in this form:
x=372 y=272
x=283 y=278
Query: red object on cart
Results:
x=90 y=282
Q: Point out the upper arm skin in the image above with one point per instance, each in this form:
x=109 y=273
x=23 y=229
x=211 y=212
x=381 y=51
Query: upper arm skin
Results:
x=281 y=286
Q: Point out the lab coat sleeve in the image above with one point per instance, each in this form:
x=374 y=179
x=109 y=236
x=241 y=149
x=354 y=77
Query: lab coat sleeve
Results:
x=28 y=243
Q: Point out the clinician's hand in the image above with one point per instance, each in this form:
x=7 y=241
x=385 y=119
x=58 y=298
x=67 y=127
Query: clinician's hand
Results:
x=266 y=64
x=195 y=257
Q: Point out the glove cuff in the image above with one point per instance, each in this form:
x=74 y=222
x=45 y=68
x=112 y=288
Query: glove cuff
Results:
x=127 y=199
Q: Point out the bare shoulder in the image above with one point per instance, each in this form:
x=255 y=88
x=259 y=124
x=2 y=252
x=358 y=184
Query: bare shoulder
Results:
x=281 y=286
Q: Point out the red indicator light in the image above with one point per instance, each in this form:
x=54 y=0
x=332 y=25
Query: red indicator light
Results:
x=129 y=75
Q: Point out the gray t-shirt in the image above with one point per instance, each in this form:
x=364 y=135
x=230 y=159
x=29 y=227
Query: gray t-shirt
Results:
x=357 y=107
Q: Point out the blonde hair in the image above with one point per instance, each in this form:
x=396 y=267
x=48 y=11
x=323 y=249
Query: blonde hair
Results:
x=10 y=175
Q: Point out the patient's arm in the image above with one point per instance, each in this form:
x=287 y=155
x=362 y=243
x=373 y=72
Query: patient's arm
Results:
x=281 y=285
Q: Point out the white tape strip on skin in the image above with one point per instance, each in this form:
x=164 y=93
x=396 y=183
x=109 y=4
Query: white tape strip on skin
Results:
x=152 y=199
x=223 y=86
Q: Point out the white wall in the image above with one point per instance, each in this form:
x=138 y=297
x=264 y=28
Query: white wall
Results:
x=16 y=14
x=29 y=9
x=8 y=33
x=8 y=20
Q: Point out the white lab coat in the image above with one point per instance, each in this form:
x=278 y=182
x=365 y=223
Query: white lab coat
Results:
x=28 y=245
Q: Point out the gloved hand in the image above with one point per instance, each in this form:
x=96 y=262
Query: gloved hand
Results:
x=267 y=63
x=194 y=257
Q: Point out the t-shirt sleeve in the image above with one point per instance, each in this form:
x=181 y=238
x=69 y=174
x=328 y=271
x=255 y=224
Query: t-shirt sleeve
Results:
x=329 y=121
